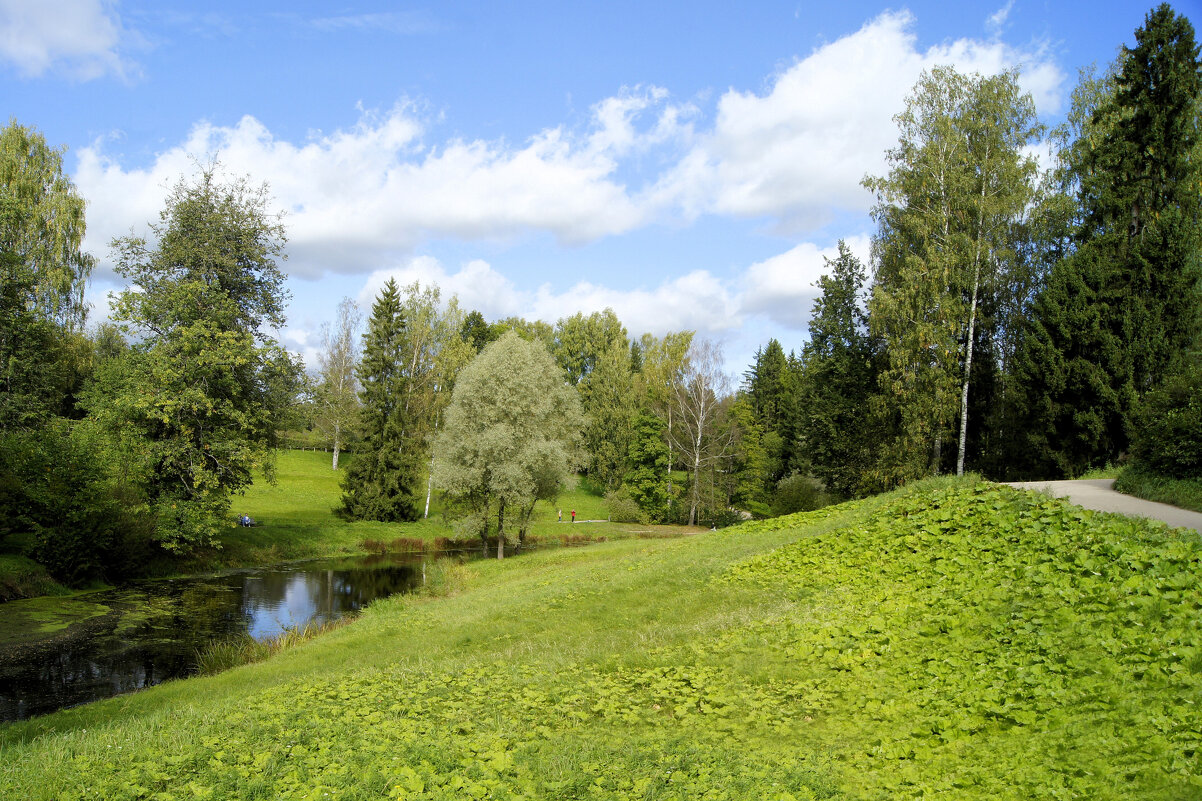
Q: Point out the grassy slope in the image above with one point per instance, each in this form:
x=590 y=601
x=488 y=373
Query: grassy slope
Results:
x=955 y=641
x=1183 y=492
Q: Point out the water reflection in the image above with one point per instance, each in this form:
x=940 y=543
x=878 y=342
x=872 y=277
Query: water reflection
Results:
x=156 y=628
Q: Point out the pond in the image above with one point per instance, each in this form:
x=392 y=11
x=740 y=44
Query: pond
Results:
x=61 y=652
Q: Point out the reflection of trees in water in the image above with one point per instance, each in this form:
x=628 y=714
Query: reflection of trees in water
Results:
x=175 y=620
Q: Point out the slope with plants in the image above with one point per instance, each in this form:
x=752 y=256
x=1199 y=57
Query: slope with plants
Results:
x=954 y=640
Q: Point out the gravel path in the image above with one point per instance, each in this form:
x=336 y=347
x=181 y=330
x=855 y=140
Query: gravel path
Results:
x=1098 y=494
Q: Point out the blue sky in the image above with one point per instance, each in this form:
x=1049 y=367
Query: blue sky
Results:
x=688 y=164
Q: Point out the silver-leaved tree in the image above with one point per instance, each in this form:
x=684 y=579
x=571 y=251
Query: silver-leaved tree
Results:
x=510 y=436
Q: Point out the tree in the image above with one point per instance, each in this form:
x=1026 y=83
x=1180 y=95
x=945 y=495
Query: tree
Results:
x=477 y=332
x=1123 y=304
x=383 y=480
x=663 y=363
x=696 y=402
x=202 y=386
x=581 y=341
x=772 y=392
x=647 y=458
x=42 y=226
x=839 y=368
x=337 y=396
x=434 y=353
x=610 y=404
x=510 y=436
x=959 y=184
x=43 y=273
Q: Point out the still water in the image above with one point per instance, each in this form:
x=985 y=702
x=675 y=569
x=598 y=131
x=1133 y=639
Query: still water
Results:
x=136 y=636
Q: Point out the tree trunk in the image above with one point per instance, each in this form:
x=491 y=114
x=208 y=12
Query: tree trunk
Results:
x=429 y=489
x=337 y=443
x=695 y=495
x=972 y=320
x=501 y=531
x=669 y=459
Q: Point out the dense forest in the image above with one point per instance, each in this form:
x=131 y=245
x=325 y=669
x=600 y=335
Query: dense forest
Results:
x=1018 y=318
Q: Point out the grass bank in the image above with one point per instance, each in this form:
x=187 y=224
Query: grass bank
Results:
x=956 y=640
x=1142 y=483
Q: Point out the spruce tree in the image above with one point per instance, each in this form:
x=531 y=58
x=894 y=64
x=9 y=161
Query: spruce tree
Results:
x=839 y=377
x=1123 y=305
x=383 y=481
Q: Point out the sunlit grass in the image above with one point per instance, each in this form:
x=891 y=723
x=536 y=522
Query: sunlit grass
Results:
x=805 y=657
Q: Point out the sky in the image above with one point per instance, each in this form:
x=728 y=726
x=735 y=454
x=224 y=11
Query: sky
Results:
x=688 y=164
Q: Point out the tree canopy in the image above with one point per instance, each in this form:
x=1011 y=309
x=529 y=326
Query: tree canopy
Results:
x=511 y=434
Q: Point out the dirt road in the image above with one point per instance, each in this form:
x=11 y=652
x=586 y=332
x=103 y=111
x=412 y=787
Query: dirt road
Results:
x=1099 y=494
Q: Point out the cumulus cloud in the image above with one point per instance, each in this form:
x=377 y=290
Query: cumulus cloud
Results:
x=779 y=290
x=358 y=196
x=783 y=287
x=81 y=39
x=798 y=151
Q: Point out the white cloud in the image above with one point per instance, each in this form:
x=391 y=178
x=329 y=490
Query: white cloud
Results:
x=82 y=39
x=796 y=152
x=779 y=290
x=374 y=193
x=783 y=287
x=358 y=196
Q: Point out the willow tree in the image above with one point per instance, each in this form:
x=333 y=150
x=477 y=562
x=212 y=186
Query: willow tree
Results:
x=959 y=184
x=510 y=437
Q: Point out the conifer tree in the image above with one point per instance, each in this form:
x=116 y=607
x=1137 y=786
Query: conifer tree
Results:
x=1123 y=305
x=383 y=480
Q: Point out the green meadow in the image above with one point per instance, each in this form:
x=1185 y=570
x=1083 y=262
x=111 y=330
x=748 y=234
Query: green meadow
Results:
x=952 y=640
x=296 y=520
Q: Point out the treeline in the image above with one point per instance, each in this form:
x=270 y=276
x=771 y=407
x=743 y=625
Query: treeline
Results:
x=497 y=414
x=1017 y=322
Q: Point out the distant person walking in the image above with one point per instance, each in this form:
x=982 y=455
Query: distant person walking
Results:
x=561 y=515
x=573 y=515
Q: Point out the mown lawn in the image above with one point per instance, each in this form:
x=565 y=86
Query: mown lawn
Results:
x=296 y=518
x=957 y=640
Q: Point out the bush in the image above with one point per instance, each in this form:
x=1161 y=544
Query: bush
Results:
x=798 y=493
x=623 y=508
x=56 y=500
x=1168 y=425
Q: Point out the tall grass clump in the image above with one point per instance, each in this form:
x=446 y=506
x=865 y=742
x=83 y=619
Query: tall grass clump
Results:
x=243 y=649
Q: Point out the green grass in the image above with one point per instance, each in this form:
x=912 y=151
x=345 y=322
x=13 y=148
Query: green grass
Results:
x=297 y=521
x=21 y=577
x=1137 y=481
x=952 y=640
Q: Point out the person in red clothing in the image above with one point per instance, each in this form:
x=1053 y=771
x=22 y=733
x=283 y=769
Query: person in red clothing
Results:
x=573 y=515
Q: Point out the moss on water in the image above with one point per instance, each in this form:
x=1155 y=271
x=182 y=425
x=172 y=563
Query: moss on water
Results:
x=35 y=619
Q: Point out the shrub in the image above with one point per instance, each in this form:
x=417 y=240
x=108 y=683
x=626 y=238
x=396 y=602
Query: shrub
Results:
x=56 y=499
x=1168 y=425
x=798 y=493
x=623 y=508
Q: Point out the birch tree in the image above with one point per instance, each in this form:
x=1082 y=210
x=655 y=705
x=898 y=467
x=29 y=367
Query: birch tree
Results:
x=960 y=181
x=696 y=403
x=338 y=391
